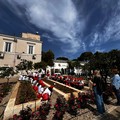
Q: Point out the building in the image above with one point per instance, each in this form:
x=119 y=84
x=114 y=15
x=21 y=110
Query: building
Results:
x=60 y=66
x=13 y=49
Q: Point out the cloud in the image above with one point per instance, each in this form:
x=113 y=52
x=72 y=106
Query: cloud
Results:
x=111 y=29
x=59 y=17
x=68 y=20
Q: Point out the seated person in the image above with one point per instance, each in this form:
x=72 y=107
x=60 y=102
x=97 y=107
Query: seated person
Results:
x=47 y=93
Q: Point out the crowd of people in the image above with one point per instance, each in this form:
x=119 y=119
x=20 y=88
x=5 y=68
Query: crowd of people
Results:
x=42 y=91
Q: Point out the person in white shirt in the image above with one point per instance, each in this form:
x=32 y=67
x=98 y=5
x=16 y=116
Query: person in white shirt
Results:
x=47 y=93
x=41 y=89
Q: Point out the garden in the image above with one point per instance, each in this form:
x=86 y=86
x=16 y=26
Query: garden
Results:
x=60 y=108
x=25 y=93
x=4 y=89
x=57 y=108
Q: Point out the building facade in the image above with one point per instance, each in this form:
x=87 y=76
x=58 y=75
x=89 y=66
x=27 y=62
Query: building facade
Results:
x=60 y=66
x=14 y=49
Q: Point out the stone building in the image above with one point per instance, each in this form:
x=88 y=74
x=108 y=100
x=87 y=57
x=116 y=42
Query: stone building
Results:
x=13 y=49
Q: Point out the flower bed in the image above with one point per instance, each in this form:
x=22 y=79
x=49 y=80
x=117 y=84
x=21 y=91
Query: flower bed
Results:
x=4 y=89
x=62 y=88
x=25 y=93
x=11 y=108
x=27 y=114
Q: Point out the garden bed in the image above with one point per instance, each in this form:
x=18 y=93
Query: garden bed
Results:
x=25 y=93
x=5 y=89
x=59 y=86
x=12 y=108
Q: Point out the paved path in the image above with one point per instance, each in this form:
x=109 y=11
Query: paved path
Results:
x=12 y=79
x=5 y=99
x=112 y=114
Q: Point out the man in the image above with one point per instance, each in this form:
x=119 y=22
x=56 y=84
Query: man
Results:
x=98 y=91
x=116 y=85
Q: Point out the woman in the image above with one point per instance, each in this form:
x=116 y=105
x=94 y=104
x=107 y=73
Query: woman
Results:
x=98 y=90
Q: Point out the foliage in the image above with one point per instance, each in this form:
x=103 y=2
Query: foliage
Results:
x=62 y=58
x=86 y=56
x=40 y=114
x=104 y=61
x=39 y=65
x=48 y=57
x=107 y=94
x=44 y=110
x=25 y=65
x=82 y=100
x=76 y=64
x=6 y=72
x=60 y=107
x=24 y=114
x=70 y=65
x=72 y=105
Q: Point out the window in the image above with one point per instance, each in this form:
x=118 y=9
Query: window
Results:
x=7 y=47
x=30 y=49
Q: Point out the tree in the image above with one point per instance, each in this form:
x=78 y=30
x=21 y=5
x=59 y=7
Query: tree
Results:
x=25 y=65
x=48 y=57
x=39 y=65
x=105 y=61
x=114 y=56
x=7 y=73
x=86 y=56
x=76 y=64
x=62 y=58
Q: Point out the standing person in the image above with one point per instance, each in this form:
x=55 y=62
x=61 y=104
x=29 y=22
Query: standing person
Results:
x=116 y=85
x=98 y=90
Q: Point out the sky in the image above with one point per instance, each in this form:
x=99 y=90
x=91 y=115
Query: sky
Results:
x=67 y=27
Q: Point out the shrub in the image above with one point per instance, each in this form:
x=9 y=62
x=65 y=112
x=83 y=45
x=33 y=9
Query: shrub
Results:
x=60 y=107
x=72 y=105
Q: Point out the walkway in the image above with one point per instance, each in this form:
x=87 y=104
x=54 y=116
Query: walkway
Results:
x=12 y=79
x=112 y=114
x=5 y=99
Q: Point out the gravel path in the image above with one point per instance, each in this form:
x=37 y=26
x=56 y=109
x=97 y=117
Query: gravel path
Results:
x=13 y=79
